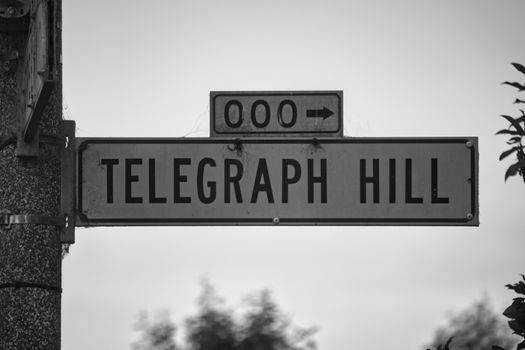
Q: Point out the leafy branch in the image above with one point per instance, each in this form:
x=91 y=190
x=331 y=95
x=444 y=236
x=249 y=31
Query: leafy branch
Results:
x=516 y=132
x=516 y=311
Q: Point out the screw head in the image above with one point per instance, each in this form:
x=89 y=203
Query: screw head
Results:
x=11 y=11
x=469 y=144
x=276 y=221
x=470 y=216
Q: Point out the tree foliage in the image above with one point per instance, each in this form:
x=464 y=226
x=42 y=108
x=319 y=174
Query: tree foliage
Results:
x=515 y=132
x=477 y=327
x=157 y=334
x=516 y=311
x=264 y=327
x=213 y=327
x=260 y=326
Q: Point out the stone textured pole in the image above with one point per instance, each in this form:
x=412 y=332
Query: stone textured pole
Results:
x=30 y=254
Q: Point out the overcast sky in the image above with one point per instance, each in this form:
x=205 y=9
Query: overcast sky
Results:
x=406 y=67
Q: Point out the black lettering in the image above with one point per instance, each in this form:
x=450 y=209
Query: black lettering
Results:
x=289 y=180
x=392 y=169
x=374 y=179
x=227 y=116
x=280 y=118
x=178 y=178
x=322 y=180
x=109 y=177
x=200 y=182
x=152 y=196
x=434 y=182
x=266 y=119
x=234 y=180
x=408 y=184
x=262 y=182
x=130 y=179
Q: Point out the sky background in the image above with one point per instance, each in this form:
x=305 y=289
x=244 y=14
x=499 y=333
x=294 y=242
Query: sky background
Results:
x=407 y=68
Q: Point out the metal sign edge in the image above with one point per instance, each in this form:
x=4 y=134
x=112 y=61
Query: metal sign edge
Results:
x=469 y=141
x=337 y=133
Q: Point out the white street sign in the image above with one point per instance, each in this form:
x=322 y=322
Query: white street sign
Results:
x=333 y=181
x=276 y=113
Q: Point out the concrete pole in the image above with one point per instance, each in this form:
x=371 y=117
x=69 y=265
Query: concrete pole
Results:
x=30 y=254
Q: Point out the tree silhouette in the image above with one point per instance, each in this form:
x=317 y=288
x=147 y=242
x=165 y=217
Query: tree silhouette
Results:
x=264 y=327
x=477 y=327
x=157 y=334
x=516 y=312
x=260 y=326
x=213 y=327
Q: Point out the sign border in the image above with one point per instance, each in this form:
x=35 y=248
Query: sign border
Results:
x=336 y=133
x=469 y=142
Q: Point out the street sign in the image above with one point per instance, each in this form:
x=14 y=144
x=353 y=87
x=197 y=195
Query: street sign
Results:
x=333 y=181
x=276 y=113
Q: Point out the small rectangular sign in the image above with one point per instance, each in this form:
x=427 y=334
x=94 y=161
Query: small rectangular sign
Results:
x=332 y=181
x=276 y=113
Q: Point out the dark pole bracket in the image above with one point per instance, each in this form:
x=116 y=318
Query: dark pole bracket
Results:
x=66 y=140
x=19 y=284
x=9 y=220
x=67 y=179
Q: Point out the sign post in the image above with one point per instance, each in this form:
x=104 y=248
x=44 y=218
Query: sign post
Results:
x=332 y=181
x=30 y=224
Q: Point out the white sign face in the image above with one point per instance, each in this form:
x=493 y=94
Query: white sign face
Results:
x=276 y=113
x=345 y=181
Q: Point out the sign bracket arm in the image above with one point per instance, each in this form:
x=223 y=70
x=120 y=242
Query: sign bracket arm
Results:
x=68 y=178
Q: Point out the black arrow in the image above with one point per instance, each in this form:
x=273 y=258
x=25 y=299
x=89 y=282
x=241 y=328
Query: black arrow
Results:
x=319 y=113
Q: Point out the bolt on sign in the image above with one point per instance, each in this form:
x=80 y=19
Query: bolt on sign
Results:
x=14 y=15
x=276 y=113
x=297 y=181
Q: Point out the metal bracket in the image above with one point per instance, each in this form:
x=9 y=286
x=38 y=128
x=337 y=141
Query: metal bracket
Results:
x=29 y=148
x=9 y=220
x=14 y=8
x=68 y=178
x=67 y=188
x=14 y=15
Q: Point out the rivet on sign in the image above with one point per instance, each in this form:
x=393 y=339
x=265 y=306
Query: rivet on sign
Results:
x=276 y=221
x=470 y=216
x=237 y=146
x=11 y=11
x=469 y=144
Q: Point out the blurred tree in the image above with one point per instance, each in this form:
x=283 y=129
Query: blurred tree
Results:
x=213 y=328
x=261 y=326
x=477 y=327
x=264 y=327
x=446 y=346
x=157 y=334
